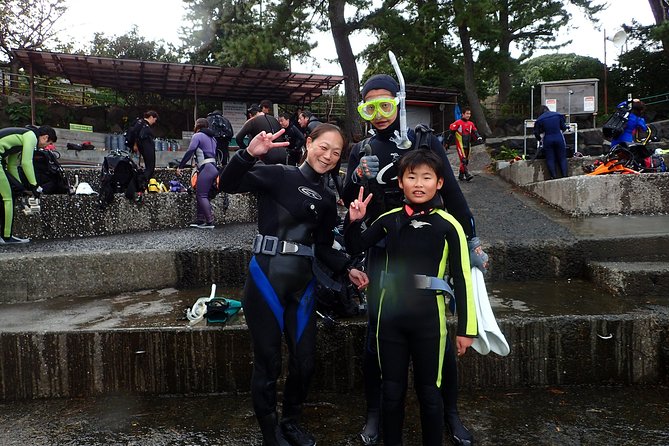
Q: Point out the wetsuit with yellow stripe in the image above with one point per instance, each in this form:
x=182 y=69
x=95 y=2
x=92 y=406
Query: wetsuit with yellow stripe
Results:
x=16 y=148
x=421 y=240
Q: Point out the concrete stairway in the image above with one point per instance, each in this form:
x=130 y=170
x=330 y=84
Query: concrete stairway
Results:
x=645 y=281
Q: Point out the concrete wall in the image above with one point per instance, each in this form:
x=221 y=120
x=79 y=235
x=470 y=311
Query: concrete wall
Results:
x=606 y=194
x=581 y=195
x=566 y=350
x=64 y=216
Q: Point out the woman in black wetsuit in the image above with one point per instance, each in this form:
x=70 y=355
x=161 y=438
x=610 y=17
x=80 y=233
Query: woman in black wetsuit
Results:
x=296 y=217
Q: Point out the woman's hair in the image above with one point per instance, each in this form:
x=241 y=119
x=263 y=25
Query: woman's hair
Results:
x=201 y=123
x=324 y=128
x=421 y=157
x=638 y=107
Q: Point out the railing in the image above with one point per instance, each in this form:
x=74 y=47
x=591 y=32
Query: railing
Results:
x=54 y=90
x=656 y=99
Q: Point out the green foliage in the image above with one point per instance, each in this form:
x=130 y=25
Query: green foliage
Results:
x=553 y=67
x=639 y=72
x=246 y=34
x=421 y=39
x=504 y=154
x=19 y=114
x=526 y=24
x=131 y=46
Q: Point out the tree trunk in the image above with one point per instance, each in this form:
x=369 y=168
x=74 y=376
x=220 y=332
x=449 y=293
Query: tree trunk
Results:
x=470 y=83
x=340 y=33
x=661 y=16
x=504 y=74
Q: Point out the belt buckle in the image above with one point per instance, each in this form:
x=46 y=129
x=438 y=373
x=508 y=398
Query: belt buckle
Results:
x=269 y=245
x=421 y=281
x=288 y=247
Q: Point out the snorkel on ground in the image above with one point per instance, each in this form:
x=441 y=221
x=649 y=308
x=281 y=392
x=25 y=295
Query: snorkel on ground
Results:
x=401 y=138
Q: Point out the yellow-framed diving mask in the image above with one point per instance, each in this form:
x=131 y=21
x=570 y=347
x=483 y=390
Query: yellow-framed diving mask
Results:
x=385 y=107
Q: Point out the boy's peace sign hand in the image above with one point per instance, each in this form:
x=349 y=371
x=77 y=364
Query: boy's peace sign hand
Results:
x=358 y=207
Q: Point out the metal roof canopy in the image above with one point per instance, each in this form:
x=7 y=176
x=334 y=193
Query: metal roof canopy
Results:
x=179 y=80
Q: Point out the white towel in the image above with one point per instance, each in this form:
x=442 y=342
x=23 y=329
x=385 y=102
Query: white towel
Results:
x=490 y=337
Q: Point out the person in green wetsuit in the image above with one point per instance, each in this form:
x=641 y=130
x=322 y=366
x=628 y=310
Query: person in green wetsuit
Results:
x=16 y=148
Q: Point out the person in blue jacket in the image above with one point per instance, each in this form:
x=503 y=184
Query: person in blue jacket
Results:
x=635 y=121
x=548 y=130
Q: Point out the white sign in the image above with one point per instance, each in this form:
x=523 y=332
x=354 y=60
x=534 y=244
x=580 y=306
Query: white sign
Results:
x=551 y=104
x=589 y=103
x=236 y=113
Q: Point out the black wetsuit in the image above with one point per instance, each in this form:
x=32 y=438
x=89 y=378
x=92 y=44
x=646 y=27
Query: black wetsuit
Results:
x=388 y=195
x=427 y=241
x=147 y=148
x=295 y=205
x=259 y=123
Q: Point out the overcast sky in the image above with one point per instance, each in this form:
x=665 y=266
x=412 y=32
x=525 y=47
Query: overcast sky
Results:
x=164 y=18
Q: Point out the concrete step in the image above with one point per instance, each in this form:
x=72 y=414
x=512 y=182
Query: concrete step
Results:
x=648 y=281
x=138 y=343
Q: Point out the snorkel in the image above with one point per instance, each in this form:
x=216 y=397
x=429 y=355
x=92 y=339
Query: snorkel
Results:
x=400 y=139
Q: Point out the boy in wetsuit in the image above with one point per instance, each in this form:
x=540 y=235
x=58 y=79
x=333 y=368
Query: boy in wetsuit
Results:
x=373 y=166
x=424 y=244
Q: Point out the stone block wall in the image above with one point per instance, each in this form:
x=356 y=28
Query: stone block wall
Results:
x=65 y=216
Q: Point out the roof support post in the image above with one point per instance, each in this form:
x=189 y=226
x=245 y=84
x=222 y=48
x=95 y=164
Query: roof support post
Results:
x=32 y=96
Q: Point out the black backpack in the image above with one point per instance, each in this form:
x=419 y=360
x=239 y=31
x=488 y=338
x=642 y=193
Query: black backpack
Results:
x=49 y=173
x=131 y=135
x=119 y=174
x=220 y=125
x=615 y=125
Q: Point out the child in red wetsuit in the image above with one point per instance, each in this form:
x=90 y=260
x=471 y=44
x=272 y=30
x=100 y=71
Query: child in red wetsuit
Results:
x=464 y=130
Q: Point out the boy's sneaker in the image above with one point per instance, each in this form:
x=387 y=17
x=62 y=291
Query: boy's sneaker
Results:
x=461 y=176
x=468 y=176
x=11 y=240
x=196 y=224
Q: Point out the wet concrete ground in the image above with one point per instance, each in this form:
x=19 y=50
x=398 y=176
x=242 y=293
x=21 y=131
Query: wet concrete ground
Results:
x=554 y=416
x=547 y=416
x=165 y=307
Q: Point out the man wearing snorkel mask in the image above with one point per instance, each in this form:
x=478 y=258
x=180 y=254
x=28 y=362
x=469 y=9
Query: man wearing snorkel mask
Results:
x=373 y=165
